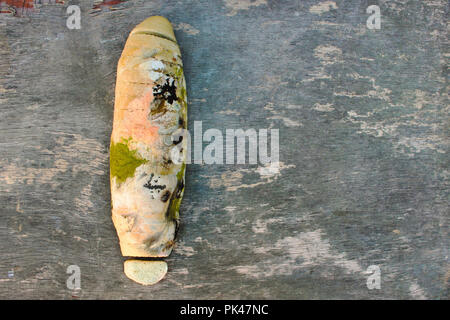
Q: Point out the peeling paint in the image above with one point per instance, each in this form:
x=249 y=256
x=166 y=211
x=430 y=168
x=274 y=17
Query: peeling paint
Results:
x=327 y=107
x=237 y=5
x=305 y=250
x=323 y=7
x=77 y=238
x=417 y=292
x=91 y=159
x=273 y=169
x=230 y=112
x=18 y=207
x=186 y=28
x=83 y=202
x=108 y=5
x=183 y=271
x=197 y=100
x=417 y=117
x=20 y=8
x=260 y=226
x=232 y=181
x=288 y=122
x=182 y=249
x=328 y=54
x=329 y=24
x=16 y=8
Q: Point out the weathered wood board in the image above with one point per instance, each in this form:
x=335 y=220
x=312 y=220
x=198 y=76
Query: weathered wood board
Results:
x=363 y=118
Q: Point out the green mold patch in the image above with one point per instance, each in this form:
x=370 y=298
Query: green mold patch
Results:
x=123 y=161
x=179 y=72
x=183 y=94
x=174 y=209
x=180 y=173
x=173 y=212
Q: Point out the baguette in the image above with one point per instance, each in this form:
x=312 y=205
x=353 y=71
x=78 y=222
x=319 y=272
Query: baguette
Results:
x=150 y=108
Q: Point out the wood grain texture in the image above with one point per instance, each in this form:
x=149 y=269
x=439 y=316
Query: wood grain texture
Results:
x=364 y=136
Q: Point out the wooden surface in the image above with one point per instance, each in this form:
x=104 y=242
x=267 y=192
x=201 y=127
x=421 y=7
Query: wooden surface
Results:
x=364 y=135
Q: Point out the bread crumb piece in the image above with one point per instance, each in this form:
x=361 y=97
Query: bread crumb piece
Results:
x=145 y=272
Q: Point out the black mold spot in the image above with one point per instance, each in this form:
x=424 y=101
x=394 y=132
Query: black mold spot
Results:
x=165 y=196
x=159 y=107
x=167 y=91
x=180 y=138
x=166 y=162
x=180 y=188
x=155 y=186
